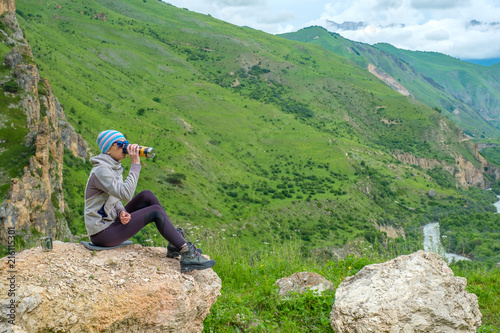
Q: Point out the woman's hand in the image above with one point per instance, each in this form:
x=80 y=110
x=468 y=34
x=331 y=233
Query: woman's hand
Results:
x=133 y=151
x=124 y=217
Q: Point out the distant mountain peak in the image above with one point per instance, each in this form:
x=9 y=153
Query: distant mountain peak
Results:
x=473 y=23
x=350 y=25
x=347 y=25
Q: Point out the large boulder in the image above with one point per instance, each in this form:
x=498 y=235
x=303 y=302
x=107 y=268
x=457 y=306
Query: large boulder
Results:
x=303 y=281
x=412 y=293
x=129 y=289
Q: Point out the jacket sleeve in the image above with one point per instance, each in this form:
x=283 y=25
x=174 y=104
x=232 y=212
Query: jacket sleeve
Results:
x=116 y=186
x=119 y=208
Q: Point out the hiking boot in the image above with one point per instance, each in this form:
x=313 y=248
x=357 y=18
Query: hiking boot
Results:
x=191 y=260
x=174 y=252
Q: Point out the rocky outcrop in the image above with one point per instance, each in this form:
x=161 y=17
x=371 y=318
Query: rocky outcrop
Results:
x=424 y=163
x=468 y=175
x=391 y=231
x=35 y=201
x=465 y=172
x=490 y=169
x=412 y=293
x=389 y=80
x=129 y=289
x=8 y=15
x=303 y=281
x=7 y=6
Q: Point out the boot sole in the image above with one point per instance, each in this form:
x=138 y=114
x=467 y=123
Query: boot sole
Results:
x=191 y=267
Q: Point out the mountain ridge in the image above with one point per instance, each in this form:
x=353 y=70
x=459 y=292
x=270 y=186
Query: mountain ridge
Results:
x=465 y=92
x=255 y=134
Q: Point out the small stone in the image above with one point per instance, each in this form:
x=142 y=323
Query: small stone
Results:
x=303 y=281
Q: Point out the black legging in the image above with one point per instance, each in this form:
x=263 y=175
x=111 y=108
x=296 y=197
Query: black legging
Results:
x=144 y=208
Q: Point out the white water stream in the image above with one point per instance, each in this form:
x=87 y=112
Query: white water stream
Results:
x=432 y=240
x=497 y=204
x=432 y=243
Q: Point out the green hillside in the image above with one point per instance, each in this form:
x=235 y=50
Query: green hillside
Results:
x=13 y=129
x=466 y=93
x=257 y=136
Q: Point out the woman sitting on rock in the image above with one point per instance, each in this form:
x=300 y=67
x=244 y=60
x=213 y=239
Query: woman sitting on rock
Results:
x=109 y=223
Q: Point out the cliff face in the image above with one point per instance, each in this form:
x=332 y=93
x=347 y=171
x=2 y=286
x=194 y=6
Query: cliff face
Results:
x=7 y=6
x=466 y=173
x=35 y=201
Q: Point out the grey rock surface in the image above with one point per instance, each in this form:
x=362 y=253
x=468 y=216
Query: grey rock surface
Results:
x=411 y=293
x=303 y=281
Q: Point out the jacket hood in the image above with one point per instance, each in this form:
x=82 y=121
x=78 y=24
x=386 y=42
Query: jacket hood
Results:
x=105 y=160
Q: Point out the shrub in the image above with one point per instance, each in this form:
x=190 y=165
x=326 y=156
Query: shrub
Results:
x=232 y=194
x=176 y=178
x=11 y=86
x=42 y=91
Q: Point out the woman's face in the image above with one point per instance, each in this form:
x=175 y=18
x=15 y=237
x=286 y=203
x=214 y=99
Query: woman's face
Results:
x=116 y=152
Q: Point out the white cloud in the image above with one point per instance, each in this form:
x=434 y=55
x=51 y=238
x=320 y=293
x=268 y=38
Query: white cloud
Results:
x=426 y=25
x=438 y=4
x=437 y=35
x=429 y=25
x=238 y=3
x=276 y=18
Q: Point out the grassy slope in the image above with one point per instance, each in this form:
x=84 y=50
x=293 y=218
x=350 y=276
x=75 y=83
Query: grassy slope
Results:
x=252 y=154
x=475 y=84
x=231 y=141
x=435 y=79
x=13 y=153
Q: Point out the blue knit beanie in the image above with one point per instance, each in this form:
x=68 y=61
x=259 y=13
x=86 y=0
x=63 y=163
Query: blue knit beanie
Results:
x=106 y=138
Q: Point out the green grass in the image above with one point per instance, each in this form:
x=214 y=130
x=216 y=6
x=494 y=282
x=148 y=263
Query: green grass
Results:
x=13 y=151
x=492 y=154
x=300 y=143
x=485 y=283
x=283 y=146
x=440 y=81
x=249 y=300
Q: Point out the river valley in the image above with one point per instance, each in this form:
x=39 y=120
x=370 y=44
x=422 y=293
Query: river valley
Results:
x=432 y=240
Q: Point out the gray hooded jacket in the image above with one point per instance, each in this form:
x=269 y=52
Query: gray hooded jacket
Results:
x=105 y=188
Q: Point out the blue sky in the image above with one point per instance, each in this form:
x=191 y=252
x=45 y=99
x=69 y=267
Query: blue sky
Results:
x=466 y=29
